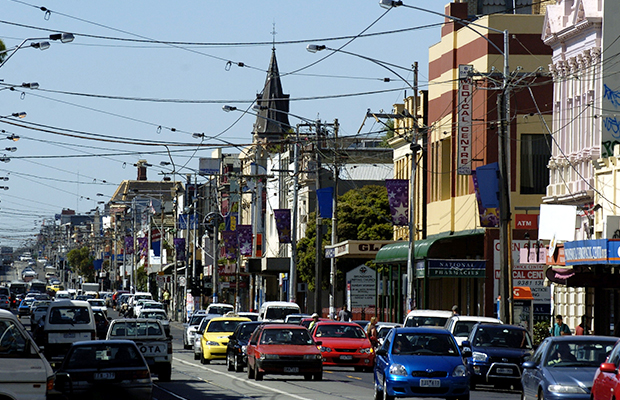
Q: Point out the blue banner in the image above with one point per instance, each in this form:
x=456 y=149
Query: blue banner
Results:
x=192 y=221
x=325 y=198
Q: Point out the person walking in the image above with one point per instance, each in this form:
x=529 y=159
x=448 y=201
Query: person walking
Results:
x=559 y=328
x=345 y=315
x=371 y=330
x=166 y=297
x=584 y=327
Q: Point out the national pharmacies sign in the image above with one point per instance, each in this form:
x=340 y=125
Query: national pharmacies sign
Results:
x=590 y=252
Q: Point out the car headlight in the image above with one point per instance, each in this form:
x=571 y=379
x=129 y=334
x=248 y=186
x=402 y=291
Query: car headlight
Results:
x=243 y=348
x=269 y=357
x=325 y=349
x=566 y=389
x=478 y=356
x=366 y=350
x=398 y=369
x=312 y=357
x=460 y=370
x=212 y=343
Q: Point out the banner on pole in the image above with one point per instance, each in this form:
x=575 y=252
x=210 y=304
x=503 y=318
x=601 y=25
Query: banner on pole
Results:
x=283 y=224
x=398 y=197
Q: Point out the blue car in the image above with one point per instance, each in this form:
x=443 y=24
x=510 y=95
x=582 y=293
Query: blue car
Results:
x=24 y=307
x=497 y=352
x=563 y=367
x=420 y=362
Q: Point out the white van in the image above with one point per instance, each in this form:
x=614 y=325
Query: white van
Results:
x=24 y=372
x=427 y=318
x=66 y=322
x=276 y=311
x=63 y=295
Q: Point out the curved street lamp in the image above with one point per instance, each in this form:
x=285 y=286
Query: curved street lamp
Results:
x=38 y=43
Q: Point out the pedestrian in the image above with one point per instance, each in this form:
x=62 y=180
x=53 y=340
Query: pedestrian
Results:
x=559 y=328
x=166 y=296
x=315 y=319
x=345 y=315
x=456 y=310
x=584 y=327
x=371 y=330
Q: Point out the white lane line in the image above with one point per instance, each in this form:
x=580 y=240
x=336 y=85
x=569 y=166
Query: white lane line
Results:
x=244 y=380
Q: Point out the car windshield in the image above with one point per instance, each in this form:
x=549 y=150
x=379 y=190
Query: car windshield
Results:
x=12 y=342
x=97 y=302
x=340 y=331
x=196 y=319
x=105 y=355
x=223 y=326
x=463 y=328
x=426 y=321
x=488 y=336
x=154 y=315
x=69 y=315
x=429 y=344
x=136 y=328
x=578 y=353
x=280 y=312
x=221 y=310
x=286 y=336
x=246 y=331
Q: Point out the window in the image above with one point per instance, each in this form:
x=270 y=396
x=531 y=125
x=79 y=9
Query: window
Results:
x=535 y=154
x=12 y=342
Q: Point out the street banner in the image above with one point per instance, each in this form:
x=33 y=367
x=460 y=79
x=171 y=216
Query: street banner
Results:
x=179 y=247
x=283 y=224
x=325 y=198
x=464 y=149
x=398 y=197
x=128 y=245
x=244 y=237
x=143 y=245
x=229 y=238
x=486 y=187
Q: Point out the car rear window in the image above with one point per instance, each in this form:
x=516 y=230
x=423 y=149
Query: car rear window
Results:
x=430 y=344
x=104 y=356
x=488 y=336
x=73 y=315
x=280 y=312
x=223 y=326
x=426 y=321
x=136 y=328
x=340 y=331
x=286 y=336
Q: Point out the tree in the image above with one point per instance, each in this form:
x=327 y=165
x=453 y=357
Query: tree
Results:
x=2 y=48
x=363 y=214
x=81 y=262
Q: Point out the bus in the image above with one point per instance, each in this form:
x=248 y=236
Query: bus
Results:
x=18 y=289
x=37 y=286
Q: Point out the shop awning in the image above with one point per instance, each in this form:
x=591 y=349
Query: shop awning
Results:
x=397 y=253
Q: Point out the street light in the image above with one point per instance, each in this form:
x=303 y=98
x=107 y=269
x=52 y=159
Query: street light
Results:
x=505 y=289
x=11 y=149
x=13 y=137
x=38 y=43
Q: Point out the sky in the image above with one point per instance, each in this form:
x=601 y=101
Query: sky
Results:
x=142 y=74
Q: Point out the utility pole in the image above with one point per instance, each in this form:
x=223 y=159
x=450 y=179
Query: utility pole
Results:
x=318 y=275
x=415 y=147
x=332 y=271
x=292 y=278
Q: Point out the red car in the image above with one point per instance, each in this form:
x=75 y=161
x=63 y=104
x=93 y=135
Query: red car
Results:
x=607 y=378
x=283 y=349
x=344 y=344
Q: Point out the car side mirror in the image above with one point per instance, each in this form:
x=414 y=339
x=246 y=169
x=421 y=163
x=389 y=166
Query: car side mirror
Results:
x=528 y=365
x=466 y=353
x=608 y=367
x=382 y=352
x=466 y=343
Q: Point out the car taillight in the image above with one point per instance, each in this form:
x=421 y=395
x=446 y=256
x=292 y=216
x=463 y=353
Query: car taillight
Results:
x=92 y=336
x=50 y=383
x=169 y=347
x=141 y=374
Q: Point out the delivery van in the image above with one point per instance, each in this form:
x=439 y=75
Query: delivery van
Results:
x=66 y=322
x=276 y=311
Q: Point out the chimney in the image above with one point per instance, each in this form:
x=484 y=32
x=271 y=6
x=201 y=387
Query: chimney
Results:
x=142 y=164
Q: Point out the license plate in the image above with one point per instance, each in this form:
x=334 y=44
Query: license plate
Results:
x=346 y=357
x=430 y=383
x=504 y=371
x=291 y=370
x=104 y=375
x=68 y=335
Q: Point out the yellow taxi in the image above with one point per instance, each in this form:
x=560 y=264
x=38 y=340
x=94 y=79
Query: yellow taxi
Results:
x=214 y=339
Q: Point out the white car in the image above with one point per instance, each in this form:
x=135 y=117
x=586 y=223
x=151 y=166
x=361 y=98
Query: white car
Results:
x=461 y=325
x=190 y=328
x=153 y=313
x=99 y=303
x=383 y=328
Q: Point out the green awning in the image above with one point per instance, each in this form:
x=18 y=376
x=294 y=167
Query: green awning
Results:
x=397 y=253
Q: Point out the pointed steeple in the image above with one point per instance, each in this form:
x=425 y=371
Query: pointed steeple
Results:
x=272 y=121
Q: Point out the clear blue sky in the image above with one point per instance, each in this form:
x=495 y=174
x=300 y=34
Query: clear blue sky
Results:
x=45 y=174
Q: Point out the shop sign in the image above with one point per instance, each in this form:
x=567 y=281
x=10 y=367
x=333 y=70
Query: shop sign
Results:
x=362 y=281
x=457 y=268
x=586 y=252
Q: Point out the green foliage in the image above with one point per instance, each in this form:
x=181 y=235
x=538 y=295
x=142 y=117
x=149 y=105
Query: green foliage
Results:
x=141 y=279
x=2 y=48
x=363 y=214
x=541 y=331
x=389 y=133
x=81 y=262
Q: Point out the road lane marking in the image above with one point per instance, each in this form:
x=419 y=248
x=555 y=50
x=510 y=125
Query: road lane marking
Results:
x=245 y=380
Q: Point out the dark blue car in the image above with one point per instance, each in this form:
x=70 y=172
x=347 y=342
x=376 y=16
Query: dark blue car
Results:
x=420 y=362
x=497 y=352
x=563 y=367
x=236 y=357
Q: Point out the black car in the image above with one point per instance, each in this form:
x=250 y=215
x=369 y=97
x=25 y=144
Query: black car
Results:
x=104 y=369
x=497 y=352
x=236 y=357
x=102 y=323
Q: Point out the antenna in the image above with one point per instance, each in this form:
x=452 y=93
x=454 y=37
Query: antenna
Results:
x=273 y=33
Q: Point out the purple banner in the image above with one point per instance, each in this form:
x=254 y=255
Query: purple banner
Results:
x=283 y=223
x=128 y=245
x=179 y=247
x=244 y=237
x=229 y=238
x=143 y=244
x=398 y=196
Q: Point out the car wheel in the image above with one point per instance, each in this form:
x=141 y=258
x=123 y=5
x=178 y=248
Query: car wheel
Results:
x=541 y=395
x=378 y=392
x=318 y=376
x=258 y=375
x=238 y=365
x=165 y=373
x=250 y=372
x=196 y=356
x=202 y=358
x=386 y=396
x=229 y=363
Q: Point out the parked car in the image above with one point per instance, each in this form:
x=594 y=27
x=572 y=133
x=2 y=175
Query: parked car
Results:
x=105 y=369
x=215 y=337
x=497 y=352
x=460 y=326
x=283 y=349
x=236 y=357
x=344 y=344
x=427 y=318
x=564 y=366
x=420 y=362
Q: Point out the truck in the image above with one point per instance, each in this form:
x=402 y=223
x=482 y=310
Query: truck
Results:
x=90 y=287
x=150 y=337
